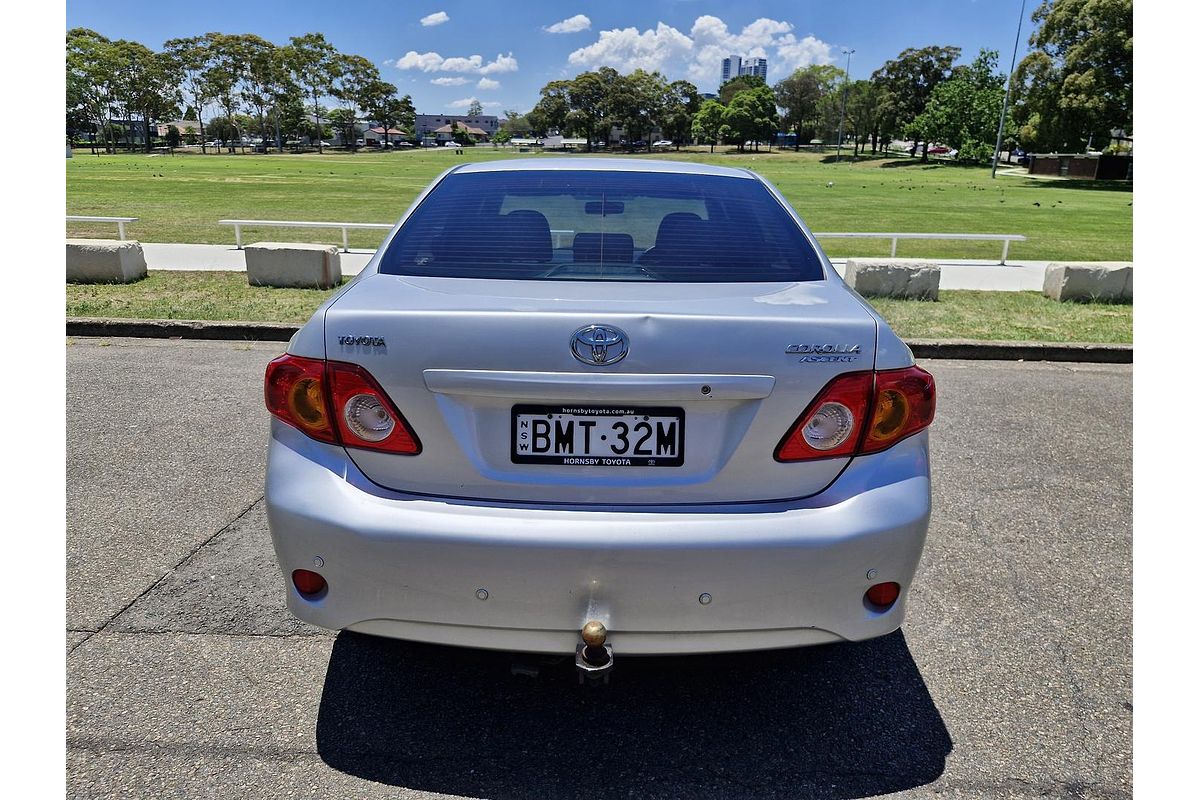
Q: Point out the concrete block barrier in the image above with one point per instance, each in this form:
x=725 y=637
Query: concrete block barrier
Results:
x=909 y=278
x=104 y=261
x=1089 y=281
x=287 y=264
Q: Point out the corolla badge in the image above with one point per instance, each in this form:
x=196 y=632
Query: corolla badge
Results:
x=825 y=352
x=599 y=345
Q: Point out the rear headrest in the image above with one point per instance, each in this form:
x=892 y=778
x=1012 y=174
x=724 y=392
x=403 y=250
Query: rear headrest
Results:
x=616 y=248
x=524 y=236
x=674 y=227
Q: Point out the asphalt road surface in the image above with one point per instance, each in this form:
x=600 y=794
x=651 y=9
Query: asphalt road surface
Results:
x=187 y=677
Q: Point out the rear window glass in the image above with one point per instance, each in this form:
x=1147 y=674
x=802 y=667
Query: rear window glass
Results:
x=602 y=225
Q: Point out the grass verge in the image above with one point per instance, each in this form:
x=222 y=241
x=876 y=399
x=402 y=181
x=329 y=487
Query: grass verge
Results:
x=995 y=316
x=180 y=198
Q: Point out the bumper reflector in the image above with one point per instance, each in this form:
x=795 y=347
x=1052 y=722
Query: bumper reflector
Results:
x=882 y=596
x=308 y=583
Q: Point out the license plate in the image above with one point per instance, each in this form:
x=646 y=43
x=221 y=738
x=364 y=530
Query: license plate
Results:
x=597 y=436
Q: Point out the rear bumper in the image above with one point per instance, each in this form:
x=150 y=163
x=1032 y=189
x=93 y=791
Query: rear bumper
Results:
x=779 y=574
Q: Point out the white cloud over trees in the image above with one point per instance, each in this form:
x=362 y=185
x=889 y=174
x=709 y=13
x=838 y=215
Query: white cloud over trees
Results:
x=434 y=62
x=574 y=24
x=698 y=53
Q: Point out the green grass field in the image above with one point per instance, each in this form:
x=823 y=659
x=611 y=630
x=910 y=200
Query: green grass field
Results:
x=995 y=316
x=180 y=198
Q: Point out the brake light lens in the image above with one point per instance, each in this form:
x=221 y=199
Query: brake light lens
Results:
x=861 y=412
x=366 y=417
x=832 y=424
x=338 y=403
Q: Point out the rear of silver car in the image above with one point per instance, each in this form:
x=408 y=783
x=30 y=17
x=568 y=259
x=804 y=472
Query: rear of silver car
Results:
x=566 y=404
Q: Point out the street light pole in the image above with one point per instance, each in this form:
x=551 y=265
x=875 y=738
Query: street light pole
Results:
x=845 y=91
x=1008 y=90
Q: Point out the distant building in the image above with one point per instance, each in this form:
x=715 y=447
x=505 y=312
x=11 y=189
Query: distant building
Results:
x=372 y=137
x=754 y=66
x=446 y=132
x=730 y=68
x=427 y=124
x=733 y=66
x=186 y=127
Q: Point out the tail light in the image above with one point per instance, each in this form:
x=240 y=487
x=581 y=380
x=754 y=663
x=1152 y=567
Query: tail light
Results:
x=337 y=402
x=861 y=412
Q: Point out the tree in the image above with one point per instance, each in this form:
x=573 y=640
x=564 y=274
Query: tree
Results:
x=801 y=96
x=1077 y=84
x=355 y=76
x=680 y=105
x=173 y=138
x=588 y=100
x=475 y=109
x=639 y=102
x=910 y=79
x=865 y=109
x=551 y=111
x=515 y=124
x=963 y=112
x=345 y=122
x=538 y=123
x=752 y=115
x=188 y=60
x=315 y=65
x=706 y=125
x=223 y=76
x=92 y=79
x=382 y=105
x=265 y=80
x=739 y=84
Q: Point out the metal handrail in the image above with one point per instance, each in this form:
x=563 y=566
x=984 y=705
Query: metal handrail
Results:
x=1007 y=238
x=281 y=223
x=119 y=220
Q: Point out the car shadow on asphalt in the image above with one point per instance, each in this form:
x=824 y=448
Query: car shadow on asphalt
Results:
x=834 y=721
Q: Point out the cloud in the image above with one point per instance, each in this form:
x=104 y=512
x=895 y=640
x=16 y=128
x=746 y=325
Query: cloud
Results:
x=426 y=62
x=433 y=62
x=488 y=83
x=573 y=24
x=458 y=64
x=502 y=64
x=466 y=103
x=627 y=49
x=436 y=18
x=449 y=81
x=698 y=53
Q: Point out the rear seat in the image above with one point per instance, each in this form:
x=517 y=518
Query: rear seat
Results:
x=616 y=248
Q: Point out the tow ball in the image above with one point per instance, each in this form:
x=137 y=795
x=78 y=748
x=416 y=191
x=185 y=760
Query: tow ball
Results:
x=593 y=655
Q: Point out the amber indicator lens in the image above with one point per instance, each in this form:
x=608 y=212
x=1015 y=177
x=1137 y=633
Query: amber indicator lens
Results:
x=306 y=401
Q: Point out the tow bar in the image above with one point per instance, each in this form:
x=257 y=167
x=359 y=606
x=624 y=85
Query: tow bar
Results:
x=593 y=655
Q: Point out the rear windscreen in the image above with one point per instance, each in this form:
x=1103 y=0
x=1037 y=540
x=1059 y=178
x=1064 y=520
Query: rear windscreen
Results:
x=602 y=225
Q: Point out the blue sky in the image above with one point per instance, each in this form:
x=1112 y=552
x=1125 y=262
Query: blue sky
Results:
x=445 y=53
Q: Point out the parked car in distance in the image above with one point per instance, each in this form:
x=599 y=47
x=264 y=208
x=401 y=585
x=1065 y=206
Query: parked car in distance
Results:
x=668 y=427
x=359 y=142
x=938 y=149
x=663 y=143
x=404 y=144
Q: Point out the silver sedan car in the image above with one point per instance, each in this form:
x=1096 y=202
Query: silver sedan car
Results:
x=599 y=406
